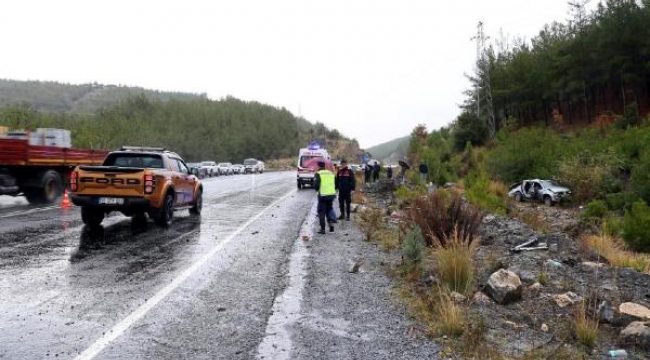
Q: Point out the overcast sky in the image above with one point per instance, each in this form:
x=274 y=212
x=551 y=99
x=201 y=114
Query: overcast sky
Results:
x=371 y=69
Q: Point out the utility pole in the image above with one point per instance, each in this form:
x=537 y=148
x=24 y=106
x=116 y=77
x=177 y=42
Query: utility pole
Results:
x=483 y=81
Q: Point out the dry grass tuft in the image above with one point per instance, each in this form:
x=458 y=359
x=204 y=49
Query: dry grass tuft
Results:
x=498 y=188
x=454 y=264
x=586 y=327
x=615 y=252
x=451 y=317
x=388 y=240
x=534 y=220
x=370 y=221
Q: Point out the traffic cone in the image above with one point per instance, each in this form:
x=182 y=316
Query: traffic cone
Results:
x=66 y=200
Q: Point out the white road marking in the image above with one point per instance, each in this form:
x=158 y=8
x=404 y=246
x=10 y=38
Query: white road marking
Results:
x=276 y=345
x=25 y=212
x=117 y=330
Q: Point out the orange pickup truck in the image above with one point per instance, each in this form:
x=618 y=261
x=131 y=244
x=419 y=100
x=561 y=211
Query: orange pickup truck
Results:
x=136 y=181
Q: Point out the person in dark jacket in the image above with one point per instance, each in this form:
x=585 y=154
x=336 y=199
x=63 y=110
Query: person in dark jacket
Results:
x=389 y=172
x=367 y=172
x=376 y=169
x=325 y=184
x=345 y=184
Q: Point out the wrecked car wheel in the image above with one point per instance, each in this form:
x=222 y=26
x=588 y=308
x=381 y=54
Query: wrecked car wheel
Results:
x=548 y=201
x=518 y=197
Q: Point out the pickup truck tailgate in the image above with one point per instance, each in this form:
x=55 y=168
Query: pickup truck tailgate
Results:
x=111 y=181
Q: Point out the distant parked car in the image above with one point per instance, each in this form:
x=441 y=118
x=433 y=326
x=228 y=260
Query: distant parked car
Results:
x=253 y=166
x=198 y=170
x=548 y=191
x=238 y=168
x=211 y=168
x=225 y=168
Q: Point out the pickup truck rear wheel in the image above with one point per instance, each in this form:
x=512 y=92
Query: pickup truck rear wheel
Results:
x=198 y=203
x=166 y=213
x=91 y=217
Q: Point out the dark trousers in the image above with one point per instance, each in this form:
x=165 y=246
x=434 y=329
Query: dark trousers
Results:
x=344 y=203
x=325 y=209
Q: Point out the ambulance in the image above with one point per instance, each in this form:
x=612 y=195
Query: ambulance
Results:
x=307 y=164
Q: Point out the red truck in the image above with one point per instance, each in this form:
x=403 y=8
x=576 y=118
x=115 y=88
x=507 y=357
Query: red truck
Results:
x=39 y=172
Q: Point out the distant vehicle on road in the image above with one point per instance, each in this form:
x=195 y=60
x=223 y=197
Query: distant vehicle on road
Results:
x=225 y=168
x=211 y=168
x=253 y=166
x=238 y=168
x=136 y=181
x=198 y=170
x=548 y=191
x=307 y=160
x=36 y=165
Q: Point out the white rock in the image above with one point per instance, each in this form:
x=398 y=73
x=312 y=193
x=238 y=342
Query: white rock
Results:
x=637 y=333
x=569 y=298
x=481 y=298
x=504 y=286
x=458 y=297
x=535 y=287
x=636 y=310
x=544 y=328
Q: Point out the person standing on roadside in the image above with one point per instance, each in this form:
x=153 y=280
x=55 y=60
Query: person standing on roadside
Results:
x=367 y=172
x=324 y=183
x=345 y=183
x=376 y=169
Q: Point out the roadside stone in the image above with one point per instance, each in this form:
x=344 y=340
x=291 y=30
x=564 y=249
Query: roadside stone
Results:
x=458 y=297
x=592 y=264
x=544 y=328
x=526 y=276
x=355 y=267
x=635 y=310
x=566 y=299
x=637 y=333
x=480 y=298
x=536 y=287
x=552 y=264
x=606 y=313
x=504 y=286
x=354 y=207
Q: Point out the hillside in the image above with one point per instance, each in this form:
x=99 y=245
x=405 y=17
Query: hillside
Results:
x=391 y=151
x=78 y=99
x=107 y=117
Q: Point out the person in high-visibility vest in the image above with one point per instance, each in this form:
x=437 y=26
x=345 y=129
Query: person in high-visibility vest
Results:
x=324 y=184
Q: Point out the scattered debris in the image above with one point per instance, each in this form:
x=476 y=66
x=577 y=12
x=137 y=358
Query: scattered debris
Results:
x=529 y=246
x=305 y=237
x=355 y=267
x=255 y=232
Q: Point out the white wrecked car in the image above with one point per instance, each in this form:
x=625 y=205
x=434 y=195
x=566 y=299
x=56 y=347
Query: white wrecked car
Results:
x=548 y=191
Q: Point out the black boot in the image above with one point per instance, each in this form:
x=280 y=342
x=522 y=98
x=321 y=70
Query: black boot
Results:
x=331 y=228
x=322 y=231
x=341 y=217
x=347 y=217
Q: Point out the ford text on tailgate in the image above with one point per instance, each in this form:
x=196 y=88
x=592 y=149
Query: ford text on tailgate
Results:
x=136 y=181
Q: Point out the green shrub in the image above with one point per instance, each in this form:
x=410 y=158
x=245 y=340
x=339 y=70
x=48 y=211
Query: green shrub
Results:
x=636 y=226
x=479 y=192
x=620 y=201
x=413 y=247
x=589 y=175
x=613 y=226
x=596 y=209
x=527 y=154
x=641 y=177
x=407 y=195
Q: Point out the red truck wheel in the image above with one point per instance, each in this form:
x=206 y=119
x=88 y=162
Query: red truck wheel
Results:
x=50 y=189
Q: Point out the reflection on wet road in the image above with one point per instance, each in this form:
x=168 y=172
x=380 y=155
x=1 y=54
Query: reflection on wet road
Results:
x=201 y=289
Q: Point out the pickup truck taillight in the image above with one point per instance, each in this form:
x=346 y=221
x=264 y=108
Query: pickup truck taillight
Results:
x=73 y=181
x=149 y=184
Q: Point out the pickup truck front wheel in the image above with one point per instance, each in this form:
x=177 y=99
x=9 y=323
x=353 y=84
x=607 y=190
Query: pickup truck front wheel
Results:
x=92 y=217
x=166 y=213
x=198 y=204
x=518 y=197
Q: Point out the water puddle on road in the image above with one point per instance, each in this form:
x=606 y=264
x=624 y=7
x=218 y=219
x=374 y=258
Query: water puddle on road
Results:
x=276 y=344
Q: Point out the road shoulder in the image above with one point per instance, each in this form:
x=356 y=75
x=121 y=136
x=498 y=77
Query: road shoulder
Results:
x=352 y=315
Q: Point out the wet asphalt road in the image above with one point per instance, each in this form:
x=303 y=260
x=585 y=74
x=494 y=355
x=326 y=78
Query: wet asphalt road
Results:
x=202 y=289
